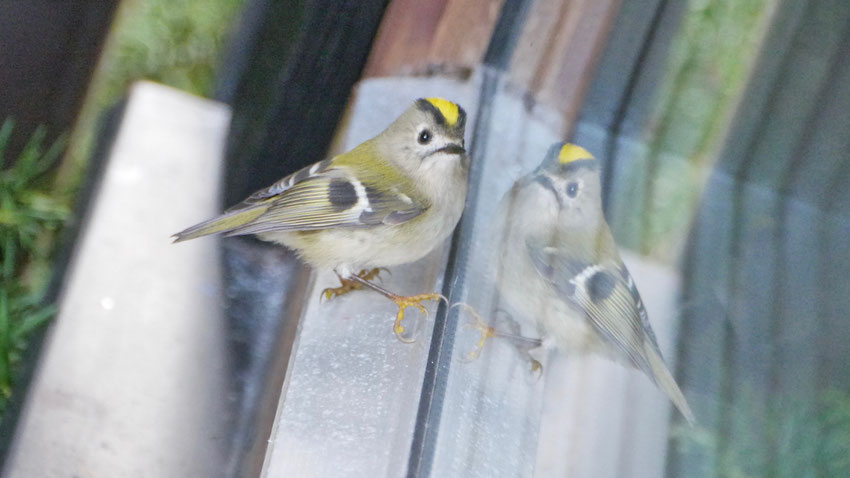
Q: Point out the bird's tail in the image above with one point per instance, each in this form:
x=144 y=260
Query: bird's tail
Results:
x=224 y=223
x=666 y=382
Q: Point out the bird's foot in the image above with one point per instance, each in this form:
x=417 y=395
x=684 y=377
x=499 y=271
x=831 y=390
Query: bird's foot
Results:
x=412 y=301
x=348 y=285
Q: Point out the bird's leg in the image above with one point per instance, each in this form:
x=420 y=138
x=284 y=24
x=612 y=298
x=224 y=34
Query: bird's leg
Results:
x=522 y=343
x=403 y=302
x=348 y=285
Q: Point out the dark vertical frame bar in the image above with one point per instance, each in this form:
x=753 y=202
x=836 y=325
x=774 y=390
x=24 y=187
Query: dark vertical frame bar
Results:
x=287 y=101
x=47 y=55
x=625 y=99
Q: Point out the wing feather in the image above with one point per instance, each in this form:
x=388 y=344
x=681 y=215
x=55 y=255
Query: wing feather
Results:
x=332 y=195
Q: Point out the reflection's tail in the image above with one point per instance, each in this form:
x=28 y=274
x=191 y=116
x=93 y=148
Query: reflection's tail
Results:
x=665 y=381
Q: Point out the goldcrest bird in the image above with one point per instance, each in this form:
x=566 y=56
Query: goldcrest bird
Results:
x=388 y=201
x=561 y=269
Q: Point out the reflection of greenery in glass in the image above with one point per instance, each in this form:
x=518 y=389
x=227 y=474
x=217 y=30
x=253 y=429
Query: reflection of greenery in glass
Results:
x=710 y=60
x=807 y=440
x=29 y=212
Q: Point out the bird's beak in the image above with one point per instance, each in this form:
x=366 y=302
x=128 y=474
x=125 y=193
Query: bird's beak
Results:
x=543 y=179
x=451 y=148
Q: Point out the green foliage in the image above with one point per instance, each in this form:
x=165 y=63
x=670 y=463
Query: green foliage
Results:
x=795 y=439
x=178 y=43
x=28 y=212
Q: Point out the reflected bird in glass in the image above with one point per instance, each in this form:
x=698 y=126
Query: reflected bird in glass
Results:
x=560 y=269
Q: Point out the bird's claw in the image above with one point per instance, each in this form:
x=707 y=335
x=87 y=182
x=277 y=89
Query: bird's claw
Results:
x=348 y=285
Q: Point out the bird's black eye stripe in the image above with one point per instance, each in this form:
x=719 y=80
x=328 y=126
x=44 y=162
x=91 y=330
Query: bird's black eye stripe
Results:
x=572 y=189
x=425 y=136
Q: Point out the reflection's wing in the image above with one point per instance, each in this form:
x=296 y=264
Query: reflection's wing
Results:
x=611 y=304
x=600 y=292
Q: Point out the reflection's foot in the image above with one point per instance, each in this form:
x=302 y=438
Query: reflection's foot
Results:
x=536 y=366
x=527 y=347
x=523 y=344
x=486 y=331
x=348 y=285
x=411 y=301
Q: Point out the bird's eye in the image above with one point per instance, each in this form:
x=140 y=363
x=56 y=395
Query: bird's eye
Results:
x=572 y=189
x=424 y=136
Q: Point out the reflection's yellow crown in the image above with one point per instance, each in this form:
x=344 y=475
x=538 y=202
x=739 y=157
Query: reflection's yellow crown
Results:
x=571 y=152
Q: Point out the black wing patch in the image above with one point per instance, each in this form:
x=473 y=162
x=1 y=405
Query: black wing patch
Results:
x=599 y=285
x=342 y=194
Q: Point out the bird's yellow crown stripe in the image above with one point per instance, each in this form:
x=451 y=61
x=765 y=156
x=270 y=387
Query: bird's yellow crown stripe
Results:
x=571 y=152
x=449 y=110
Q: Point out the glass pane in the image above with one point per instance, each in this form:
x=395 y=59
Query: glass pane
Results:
x=725 y=189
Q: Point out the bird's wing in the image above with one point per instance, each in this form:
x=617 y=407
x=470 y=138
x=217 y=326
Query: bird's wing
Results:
x=601 y=293
x=330 y=194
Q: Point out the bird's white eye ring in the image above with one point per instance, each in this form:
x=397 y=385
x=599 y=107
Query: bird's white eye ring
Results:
x=424 y=136
x=572 y=189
